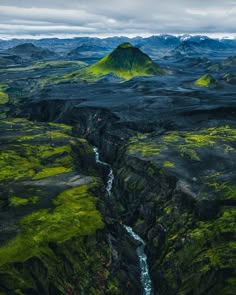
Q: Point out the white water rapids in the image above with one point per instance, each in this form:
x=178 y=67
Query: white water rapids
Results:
x=110 y=177
x=145 y=276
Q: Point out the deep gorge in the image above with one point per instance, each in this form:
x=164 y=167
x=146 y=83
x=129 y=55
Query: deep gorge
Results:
x=159 y=205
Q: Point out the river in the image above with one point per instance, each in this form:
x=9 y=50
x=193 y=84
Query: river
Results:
x=144 y=270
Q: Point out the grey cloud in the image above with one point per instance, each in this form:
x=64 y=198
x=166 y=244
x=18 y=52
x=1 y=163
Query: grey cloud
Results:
x=117 y=17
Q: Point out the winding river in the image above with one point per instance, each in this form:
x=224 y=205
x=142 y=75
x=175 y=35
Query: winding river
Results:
x=144 y=270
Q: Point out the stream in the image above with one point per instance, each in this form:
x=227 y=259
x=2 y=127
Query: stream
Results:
x=144 y=276
x=110 y=177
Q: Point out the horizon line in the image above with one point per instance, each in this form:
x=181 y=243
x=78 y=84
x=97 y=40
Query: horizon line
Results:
x=142 y=35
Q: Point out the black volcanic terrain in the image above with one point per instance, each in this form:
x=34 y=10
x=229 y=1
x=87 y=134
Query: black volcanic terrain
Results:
x=118 y=166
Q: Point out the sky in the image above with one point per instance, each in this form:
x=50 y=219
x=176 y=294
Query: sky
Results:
x=102 y=18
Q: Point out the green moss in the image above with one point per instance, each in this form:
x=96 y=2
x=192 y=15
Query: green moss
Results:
x=196 y=254
x=201 y=252
x=113 y=288
x=51 y=171
x=212 y=232
x=167 y=210
x=47 y=150
x=35 y=152
x=145 y=149
x=206 y=81
x=224 y=188
x=19 y=201
x=185 y=143
x=61 y=126
x=16 y=201
x=4 y=98
x=168 y=164
x=28 y=162
x=171 y=137
x=52 y=243
x=48 y=134
x=15 y=166
x=189 y=153
x=75 y=214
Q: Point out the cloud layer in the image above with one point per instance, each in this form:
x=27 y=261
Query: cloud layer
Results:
x=115 y=17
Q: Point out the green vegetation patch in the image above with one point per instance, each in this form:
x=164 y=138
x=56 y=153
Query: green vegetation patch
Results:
x=205 y=232
x=19 y=201
x=42 y=153
x=51 y=171
x=75 y=215
x=168 y=164
x=145 y=149
x=225 y=189
x=30 y=161
x=186 y=144
x=206 y=81
x=4 y=98
x=201 y=247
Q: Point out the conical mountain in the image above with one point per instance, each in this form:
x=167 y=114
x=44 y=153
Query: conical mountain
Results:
x=125 y=62
x=206 y=81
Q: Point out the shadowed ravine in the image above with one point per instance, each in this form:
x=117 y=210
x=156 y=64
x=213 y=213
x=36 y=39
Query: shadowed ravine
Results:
x=144 y=270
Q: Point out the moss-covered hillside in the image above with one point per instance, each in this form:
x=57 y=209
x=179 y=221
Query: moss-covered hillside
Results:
x=180 y=189
x=125 y=62
x=49 y=216
x=206 y=81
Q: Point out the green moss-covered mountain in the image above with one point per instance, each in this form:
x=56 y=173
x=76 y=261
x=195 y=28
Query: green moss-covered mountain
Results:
x=125 y=62
x=206 y=81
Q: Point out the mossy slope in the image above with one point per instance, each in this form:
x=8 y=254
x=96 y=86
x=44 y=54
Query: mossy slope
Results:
x=187 y=207
x=49 y=218
x=4 y=98
x=125 y=62
x=206 y=81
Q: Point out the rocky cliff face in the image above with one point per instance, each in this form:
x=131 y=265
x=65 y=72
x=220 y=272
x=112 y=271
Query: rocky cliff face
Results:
x=178 y=191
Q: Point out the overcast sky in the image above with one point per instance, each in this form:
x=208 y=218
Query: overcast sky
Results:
x=21 y=18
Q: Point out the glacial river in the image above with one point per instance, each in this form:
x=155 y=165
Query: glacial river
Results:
x=144 y=270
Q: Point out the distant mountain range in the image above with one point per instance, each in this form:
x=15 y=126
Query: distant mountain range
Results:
x=167 y=42
x=184 y=48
